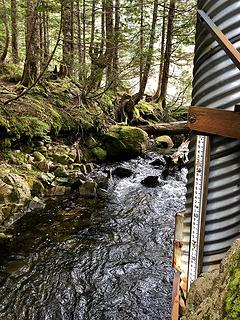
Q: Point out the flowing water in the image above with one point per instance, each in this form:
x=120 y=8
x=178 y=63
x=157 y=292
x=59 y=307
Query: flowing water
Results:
x=96 y=259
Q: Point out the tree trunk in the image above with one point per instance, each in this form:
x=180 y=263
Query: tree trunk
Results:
x=141 y=44
x=116 y=44
x=79 y=40
x=168 y=52
x=46 y=41
x=66 y=68
x=14 y=23
x=171 y=128
x=157 y=94
x=31 y=66
x=7 y=37
x=98 y=57
x=109 y=41
x=92 y=49
x=84 y=31
x=148 y=62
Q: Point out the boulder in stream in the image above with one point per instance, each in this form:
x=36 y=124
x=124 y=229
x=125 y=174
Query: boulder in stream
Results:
x=124 y=142
x=122 y=172
x=150 y=181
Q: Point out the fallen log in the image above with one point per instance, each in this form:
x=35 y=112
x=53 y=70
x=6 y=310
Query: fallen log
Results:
x=171 y=128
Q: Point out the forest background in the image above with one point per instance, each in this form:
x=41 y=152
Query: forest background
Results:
x=136 y=49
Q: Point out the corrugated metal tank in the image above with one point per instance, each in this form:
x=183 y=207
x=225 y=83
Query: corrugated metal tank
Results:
x=217 y=85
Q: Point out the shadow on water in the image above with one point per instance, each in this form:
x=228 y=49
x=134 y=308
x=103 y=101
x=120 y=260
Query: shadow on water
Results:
x=104 y=258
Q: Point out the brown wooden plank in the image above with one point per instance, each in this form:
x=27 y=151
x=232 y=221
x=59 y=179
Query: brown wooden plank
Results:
x=214 y=121
x=176 y=296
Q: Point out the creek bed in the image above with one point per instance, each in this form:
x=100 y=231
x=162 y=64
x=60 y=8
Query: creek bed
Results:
x=96 y=259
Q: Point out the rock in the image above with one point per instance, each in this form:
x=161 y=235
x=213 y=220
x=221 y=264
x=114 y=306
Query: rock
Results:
x=27 y=166
x=76 y=180
x=60 y=171
x=122 y=172
x=103 y=179
x=47 y=179
x=76 y=166
x=38 y=156
x=124 y=142
x=21 y=190
x=44 y=165
x=5 y=190
x=61 y=181
x=37 y=188
x=57 y=191
x=88 y=189
x=150 y=181
x=164 y=142
x=157 y=162
x=64 y=159
x=42 y=149
x=215 y=295
x=36 y=204
x=99 y=153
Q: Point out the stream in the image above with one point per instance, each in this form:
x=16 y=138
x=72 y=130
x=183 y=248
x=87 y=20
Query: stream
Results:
x=96 y=259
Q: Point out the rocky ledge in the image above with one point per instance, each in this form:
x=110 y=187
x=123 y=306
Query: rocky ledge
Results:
x=215 y=295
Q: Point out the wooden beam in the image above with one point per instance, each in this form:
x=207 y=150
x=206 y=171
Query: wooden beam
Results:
x=214 y=121
x=176 y=297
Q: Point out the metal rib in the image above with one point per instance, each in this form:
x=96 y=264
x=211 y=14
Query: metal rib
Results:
x=217 y=85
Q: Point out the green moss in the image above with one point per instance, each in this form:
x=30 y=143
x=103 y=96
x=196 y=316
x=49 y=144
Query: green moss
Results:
x=99 y=153
x=145 y=107
x=125 y=142
x=15 y=157
x=5 y=144
x=37 y=188
x=232 y=300
x=11 y=72
x=38 y=156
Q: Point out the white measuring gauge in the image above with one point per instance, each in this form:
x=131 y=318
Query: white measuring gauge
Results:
x=199 y=202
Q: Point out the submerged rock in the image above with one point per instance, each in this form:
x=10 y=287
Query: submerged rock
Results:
x=123 y=142
x=150 y=181
x=157 y=162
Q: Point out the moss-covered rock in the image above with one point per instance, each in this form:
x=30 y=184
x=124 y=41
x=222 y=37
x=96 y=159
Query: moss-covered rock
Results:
x=164 y=142
x=37 y=188
x=99 y=153
x=149 y=111
x=123 y=142
x=216 y=295
x=38 y=156
x=60 y=172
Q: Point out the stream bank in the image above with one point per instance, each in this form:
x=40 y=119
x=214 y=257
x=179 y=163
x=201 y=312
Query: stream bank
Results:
x=50 y=140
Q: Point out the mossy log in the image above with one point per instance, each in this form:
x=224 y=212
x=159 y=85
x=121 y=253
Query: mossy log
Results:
x=171 y=128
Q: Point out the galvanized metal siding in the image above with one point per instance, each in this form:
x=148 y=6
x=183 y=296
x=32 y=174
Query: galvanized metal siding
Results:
x=217 y=85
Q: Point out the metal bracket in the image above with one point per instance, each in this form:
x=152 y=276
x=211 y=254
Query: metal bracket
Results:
x=222 y=40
